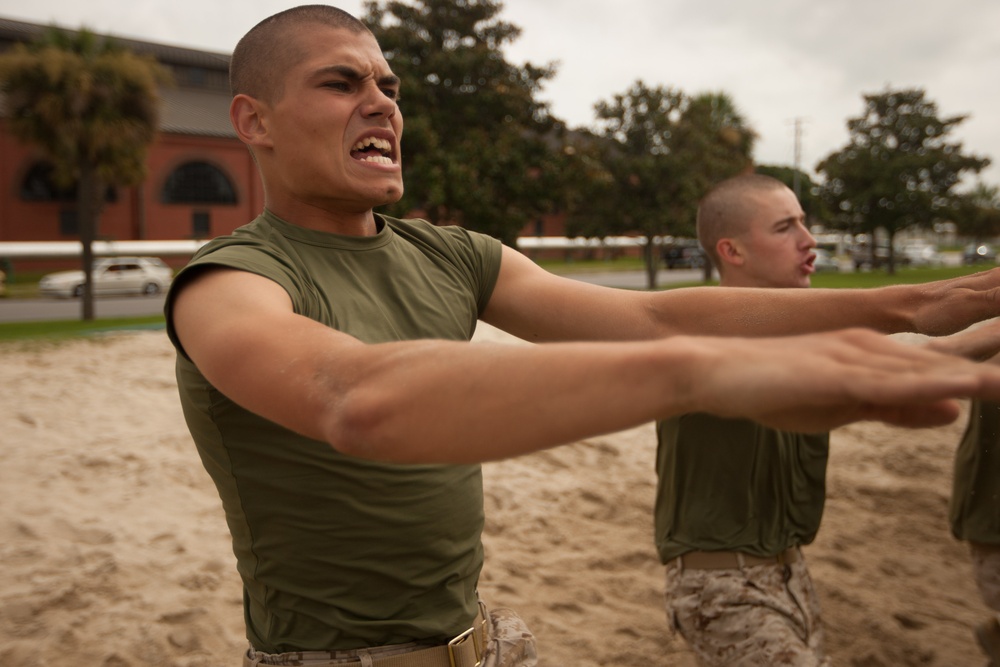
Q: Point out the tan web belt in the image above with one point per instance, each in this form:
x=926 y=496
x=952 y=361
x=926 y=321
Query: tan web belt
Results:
x=732 y=560
x=465 y=650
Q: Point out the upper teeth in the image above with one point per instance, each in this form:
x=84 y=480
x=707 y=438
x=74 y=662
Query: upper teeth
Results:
x=380 y=144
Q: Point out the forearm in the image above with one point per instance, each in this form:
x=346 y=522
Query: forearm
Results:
x=937 y=308
x=457 y=402
x=435 y=401
x=742 y=311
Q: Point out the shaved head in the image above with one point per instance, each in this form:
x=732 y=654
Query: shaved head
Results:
x=269 y=49
x=727 y=209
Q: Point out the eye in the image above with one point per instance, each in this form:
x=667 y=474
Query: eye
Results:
x=337 y=85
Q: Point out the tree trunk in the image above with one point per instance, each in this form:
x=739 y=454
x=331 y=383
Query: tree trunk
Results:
x=89 y=203
x=891 y=255
x=706 y=269
x=651 y=256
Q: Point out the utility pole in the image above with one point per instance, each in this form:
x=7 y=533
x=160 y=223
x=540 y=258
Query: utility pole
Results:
x=796 y=185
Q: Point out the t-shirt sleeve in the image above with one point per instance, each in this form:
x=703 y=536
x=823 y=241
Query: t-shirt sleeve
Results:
x=242 y=255
x=479 y=254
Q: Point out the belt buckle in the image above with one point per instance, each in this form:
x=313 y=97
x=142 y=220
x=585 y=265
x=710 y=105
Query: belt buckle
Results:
x=461 y=639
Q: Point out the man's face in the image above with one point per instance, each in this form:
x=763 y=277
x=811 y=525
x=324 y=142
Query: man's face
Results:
x=334 y=134
x=777 y=248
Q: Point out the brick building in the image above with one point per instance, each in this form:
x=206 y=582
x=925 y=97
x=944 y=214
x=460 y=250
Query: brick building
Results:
x=201 y=180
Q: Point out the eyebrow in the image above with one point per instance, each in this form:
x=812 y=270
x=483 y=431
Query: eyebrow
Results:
x=791 y=218
x=353 y=75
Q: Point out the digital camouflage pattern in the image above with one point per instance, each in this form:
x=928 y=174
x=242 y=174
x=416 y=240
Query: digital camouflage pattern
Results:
x=986 y=567
x=757 y=616
x=511 y=642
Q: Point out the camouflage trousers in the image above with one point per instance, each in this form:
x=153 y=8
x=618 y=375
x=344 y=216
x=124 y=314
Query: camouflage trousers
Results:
x=986 y=568
x=511 y=644
x=756 y=616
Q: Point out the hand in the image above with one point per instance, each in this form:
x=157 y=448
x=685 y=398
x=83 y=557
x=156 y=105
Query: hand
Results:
x=978 y=343
x=955 y=304
x=818 y=382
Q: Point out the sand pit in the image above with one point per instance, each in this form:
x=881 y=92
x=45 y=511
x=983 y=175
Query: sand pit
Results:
x=115 y=552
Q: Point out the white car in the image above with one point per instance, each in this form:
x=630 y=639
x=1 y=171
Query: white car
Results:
x=921 y=254
x=113 y=275
x=825 y=261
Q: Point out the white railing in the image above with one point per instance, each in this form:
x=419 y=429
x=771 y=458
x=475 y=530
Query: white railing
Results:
x=15 y=250
x=57 y=249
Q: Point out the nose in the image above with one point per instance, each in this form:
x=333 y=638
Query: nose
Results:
x=808 y=240
x=377 y=103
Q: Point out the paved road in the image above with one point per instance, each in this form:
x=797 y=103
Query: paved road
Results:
x=637 y=279
x=47 y=310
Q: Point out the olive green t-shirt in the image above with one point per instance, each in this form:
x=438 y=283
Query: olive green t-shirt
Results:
x=975 y=494
x=337 y=552
x=734 y=485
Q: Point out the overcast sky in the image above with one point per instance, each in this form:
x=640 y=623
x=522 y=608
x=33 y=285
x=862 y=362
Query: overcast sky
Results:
x=780 y=60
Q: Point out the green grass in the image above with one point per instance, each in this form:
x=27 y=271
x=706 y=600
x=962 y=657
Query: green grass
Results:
x=23 y=284
x=881 y=278
x=66 y=329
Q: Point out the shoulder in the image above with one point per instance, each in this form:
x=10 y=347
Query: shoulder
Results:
x=459 y=244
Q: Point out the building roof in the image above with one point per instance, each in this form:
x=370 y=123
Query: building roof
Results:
x=21 y=31
x=197 y=103
x=198 y=112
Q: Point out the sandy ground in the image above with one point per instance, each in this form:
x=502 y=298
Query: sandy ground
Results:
x=115 y=553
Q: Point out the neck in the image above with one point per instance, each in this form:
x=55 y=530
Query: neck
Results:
x=329 y=219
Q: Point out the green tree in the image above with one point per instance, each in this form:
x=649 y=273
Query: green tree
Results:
x=662 y=153
x=477 y=148
x=898 y=168
x=979 y=213
x=91 y=106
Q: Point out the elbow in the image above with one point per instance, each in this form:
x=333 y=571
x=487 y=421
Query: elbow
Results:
x=360 y=426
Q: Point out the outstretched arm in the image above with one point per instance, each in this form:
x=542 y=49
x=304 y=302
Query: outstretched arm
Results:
x=438 y=401
x=538 y=306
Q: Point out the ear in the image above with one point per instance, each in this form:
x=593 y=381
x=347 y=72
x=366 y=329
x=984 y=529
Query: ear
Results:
x=249 y=119
x=729 y=252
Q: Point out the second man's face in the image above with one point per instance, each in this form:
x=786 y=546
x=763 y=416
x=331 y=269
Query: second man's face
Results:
x=777 y=246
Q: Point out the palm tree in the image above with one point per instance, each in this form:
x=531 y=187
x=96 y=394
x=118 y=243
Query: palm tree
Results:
x=92 y=108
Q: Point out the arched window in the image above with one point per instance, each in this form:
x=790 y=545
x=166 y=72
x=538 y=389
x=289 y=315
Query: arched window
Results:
x=198 y=183
x=38 y=185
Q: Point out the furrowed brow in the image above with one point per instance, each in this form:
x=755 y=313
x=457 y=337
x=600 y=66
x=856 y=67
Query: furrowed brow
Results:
x=345 y=71
x=353 y=75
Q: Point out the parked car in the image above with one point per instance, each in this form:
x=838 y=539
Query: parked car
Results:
x=864 y=256
x=976 y=253
x=825 y=261
x=684 y=257
x=920 y=254
x=113 y=275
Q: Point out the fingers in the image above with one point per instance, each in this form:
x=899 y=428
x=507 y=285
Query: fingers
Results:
x=841 y=377
x=978 y=342
x=918 y=415
x=954 y=304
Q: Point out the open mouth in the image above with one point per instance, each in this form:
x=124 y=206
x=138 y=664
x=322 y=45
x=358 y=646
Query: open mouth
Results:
x=373 y=149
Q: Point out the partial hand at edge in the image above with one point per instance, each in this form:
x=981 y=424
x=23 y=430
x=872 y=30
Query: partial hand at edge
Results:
x=818 y=382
